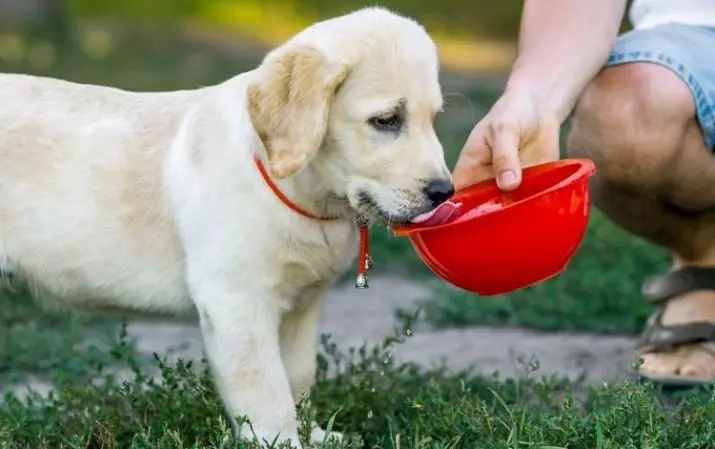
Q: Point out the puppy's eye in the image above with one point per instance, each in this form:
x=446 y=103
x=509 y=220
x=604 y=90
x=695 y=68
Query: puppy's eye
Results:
x=390 y=122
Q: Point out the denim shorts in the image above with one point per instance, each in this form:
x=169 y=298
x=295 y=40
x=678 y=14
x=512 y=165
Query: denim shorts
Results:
x=689 y=51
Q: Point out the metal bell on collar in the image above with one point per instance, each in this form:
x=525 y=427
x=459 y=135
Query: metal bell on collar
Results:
x=364 y=259
x=361 y=281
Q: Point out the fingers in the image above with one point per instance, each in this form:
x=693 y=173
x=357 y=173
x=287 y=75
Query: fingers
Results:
x=474 y=163
x=505 y=154
x=492 y=150
x=513 y=134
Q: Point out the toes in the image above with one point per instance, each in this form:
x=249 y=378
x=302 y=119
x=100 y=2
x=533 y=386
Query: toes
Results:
x=698 y=363
x=689 y=361
x=693 y=370
x=660 y=363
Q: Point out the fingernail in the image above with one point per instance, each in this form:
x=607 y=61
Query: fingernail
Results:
x=507 y=178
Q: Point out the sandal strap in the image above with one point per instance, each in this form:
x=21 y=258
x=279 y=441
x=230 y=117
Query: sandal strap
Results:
x=657 y=336
x=659 y=289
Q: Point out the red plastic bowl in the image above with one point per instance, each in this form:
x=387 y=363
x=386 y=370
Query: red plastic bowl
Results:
x=499 y=242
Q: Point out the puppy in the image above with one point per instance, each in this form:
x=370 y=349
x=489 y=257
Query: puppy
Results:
x=153 y=203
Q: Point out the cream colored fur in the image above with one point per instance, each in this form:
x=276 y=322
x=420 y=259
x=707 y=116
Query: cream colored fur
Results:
x=150 y=203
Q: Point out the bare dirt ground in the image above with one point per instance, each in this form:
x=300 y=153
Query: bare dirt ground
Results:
x=353 y=317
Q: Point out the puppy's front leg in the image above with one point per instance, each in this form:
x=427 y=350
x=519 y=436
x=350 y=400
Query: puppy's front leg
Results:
x=240 y=333
x=298 y=338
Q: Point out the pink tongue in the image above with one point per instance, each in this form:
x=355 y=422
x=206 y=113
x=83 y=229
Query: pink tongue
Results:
x=441 y=214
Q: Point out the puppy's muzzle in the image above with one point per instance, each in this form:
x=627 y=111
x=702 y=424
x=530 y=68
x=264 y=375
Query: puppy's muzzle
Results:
x=438 y=190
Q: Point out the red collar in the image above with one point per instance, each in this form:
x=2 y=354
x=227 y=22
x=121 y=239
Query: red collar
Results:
x=364 y=261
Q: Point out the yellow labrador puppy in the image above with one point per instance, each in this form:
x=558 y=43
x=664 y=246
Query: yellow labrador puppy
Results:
x=154 y=203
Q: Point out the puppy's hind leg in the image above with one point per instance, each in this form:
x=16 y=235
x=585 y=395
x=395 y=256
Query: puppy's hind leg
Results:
x=298 y=339
x=240 y=333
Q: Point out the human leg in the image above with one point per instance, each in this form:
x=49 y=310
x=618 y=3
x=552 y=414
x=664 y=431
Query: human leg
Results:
x=648 y=123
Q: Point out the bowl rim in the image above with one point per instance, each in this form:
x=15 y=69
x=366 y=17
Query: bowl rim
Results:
x=586 y=167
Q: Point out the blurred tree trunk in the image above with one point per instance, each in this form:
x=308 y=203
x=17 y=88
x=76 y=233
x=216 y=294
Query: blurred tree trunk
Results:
x=42 y=18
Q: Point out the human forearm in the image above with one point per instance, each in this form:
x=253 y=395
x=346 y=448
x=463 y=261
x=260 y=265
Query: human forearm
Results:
x=562 y=46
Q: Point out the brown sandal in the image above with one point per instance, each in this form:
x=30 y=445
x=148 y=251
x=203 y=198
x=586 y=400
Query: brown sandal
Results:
x=658 y=337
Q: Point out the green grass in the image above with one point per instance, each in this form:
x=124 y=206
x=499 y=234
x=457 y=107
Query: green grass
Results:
x=490 y=19
x=35 y=342
x=143 y=59
x=377 y=402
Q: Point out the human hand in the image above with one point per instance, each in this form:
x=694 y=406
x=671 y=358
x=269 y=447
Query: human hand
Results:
x=517 y=132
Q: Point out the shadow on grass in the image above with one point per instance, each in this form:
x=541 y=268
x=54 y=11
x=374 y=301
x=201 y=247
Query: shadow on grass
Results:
x=38 y=342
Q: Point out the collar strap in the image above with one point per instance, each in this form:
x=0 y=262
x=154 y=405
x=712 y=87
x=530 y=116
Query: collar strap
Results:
x=364 y=261
x=284 y=199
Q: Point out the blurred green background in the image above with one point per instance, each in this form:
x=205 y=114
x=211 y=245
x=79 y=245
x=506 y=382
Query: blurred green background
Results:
x=472 y=35
x=176 y=44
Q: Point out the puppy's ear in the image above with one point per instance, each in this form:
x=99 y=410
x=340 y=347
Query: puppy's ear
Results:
x=289 y=104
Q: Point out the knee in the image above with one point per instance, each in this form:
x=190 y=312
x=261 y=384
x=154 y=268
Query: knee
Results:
x=630 y=121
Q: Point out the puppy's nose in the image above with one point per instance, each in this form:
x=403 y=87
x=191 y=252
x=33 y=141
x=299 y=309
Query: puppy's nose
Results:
x=439 y=190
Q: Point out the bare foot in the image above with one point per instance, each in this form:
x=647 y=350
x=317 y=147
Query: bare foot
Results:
x=690 y=360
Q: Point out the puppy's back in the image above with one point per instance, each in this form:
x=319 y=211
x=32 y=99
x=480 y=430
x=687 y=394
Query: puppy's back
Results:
x=81 y=205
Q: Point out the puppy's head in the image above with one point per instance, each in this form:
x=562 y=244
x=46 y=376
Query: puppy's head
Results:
x=354 y=99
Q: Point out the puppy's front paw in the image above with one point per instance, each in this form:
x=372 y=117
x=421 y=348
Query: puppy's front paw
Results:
x=318 y=435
